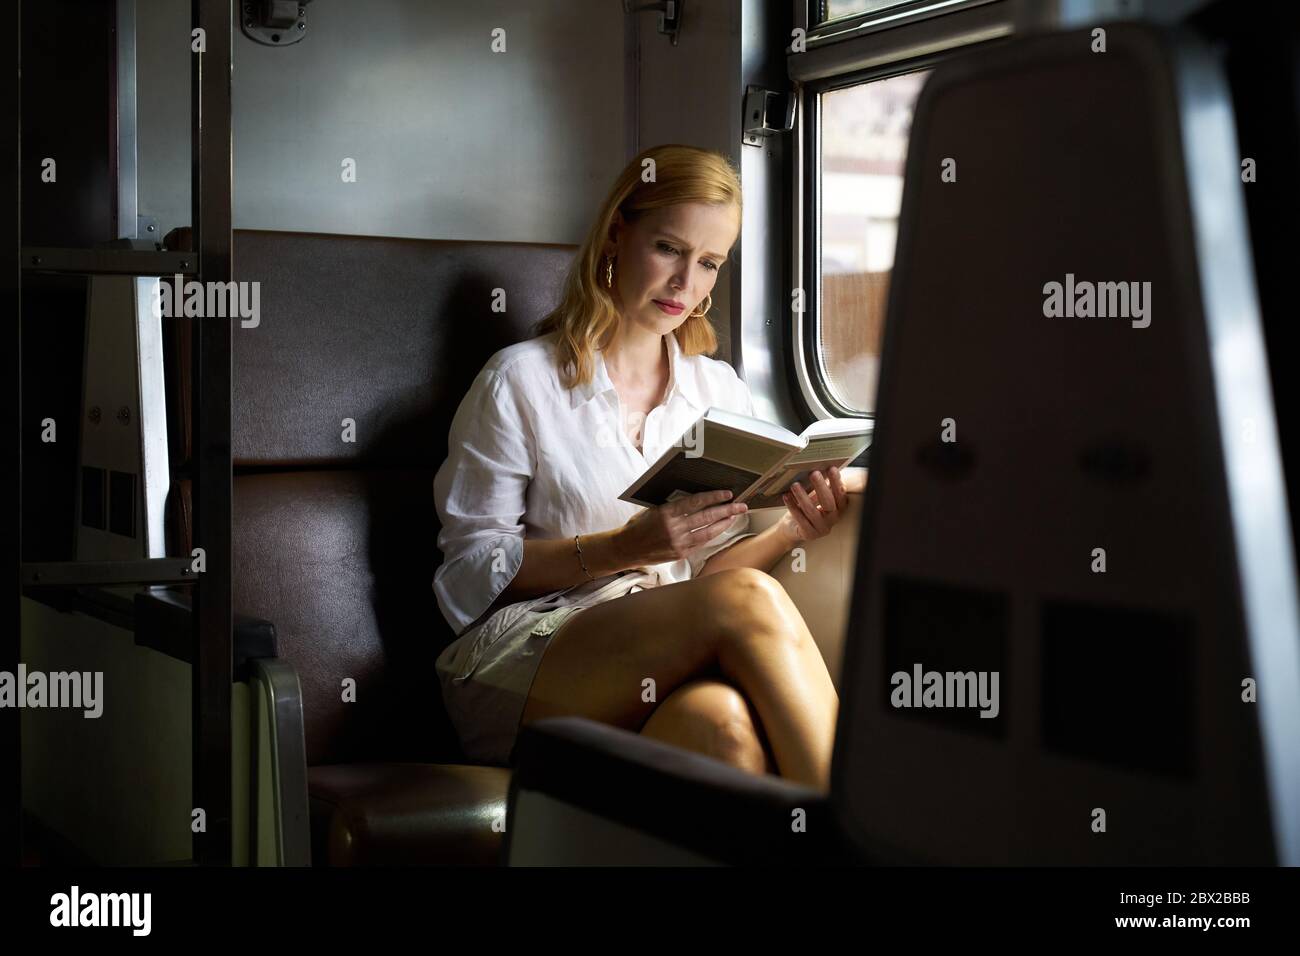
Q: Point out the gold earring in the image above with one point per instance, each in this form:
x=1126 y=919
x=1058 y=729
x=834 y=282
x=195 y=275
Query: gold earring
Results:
x=708 y=304
x=609 y=273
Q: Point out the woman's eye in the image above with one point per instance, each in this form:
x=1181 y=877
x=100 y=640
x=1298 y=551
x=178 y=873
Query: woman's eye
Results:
x=707 y=264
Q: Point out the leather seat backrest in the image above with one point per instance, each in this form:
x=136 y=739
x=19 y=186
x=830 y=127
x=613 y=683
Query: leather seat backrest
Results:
x=343 y=395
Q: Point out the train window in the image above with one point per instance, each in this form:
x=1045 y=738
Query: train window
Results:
x=839 y=9
x=863 y=147
x=870 y=14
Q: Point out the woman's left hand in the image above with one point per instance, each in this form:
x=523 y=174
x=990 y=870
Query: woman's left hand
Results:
x=811 y=516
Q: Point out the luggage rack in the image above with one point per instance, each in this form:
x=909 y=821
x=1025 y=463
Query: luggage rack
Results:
x=78 y=584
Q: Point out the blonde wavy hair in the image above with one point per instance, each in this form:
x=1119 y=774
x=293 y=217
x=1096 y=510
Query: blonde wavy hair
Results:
x=587 y=316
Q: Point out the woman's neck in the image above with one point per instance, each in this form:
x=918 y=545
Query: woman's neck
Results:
x=639 y=363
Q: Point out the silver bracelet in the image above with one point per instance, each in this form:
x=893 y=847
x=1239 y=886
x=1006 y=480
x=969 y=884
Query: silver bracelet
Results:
x=581 y=559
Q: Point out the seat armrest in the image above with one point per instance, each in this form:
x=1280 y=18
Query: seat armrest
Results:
x=162 y=623
x=686 y=799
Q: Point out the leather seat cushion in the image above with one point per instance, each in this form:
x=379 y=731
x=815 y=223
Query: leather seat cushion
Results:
x=407 y=814
x=342 y=563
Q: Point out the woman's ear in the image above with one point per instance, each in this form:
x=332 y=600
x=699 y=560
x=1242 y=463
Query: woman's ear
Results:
x=617 y=226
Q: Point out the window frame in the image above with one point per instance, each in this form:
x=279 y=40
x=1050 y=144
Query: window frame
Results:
x=893 y=52
x=821 y=32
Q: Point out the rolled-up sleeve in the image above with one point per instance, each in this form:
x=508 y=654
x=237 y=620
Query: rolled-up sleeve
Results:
x=480 y=496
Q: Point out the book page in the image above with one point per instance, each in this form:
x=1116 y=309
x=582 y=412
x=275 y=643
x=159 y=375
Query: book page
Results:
x=712 y=456
x=824 y=449
x=820 y=455
x=683 y=476
x=745 y=451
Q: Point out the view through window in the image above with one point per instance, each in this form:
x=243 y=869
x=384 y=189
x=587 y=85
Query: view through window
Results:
x=864 y=132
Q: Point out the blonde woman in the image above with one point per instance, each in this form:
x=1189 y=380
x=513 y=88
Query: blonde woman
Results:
x=567 y=601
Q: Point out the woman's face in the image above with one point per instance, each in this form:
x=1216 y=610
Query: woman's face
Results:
x=669 y=255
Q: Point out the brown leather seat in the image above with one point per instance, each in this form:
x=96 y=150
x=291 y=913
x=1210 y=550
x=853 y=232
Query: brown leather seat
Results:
x=408 y=813
x=342 y=399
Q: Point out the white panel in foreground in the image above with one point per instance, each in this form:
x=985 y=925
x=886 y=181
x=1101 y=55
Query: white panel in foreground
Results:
x=549 y=832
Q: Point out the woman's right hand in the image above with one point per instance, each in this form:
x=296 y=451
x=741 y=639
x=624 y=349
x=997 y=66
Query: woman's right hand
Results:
x=666 y=533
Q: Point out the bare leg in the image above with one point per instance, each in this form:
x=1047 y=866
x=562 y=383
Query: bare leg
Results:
x=772 y=655
x=739 y=623
x=715 y=719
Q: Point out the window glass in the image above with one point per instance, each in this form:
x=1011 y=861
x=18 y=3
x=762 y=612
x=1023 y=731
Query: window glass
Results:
x=864 y=131
x=838 y=9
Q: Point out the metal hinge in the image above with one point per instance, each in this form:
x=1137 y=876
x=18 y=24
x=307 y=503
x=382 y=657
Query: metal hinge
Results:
x=274 y=22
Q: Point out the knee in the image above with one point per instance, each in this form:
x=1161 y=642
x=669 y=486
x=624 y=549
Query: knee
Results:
x=732 y=731
x=737 y=592
x=736 y=742
x=745 y=602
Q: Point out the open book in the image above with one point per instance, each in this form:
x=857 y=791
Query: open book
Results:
x=756 y=460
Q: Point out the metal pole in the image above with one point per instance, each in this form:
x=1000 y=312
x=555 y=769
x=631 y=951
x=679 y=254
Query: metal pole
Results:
x=126 y=208
x=11 y=795
x=211 y=199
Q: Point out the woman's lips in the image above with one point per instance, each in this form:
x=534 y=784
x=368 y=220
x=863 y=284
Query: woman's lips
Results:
x=670 y=309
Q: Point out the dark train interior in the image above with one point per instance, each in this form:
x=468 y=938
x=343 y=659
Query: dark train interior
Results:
x=1031 y=259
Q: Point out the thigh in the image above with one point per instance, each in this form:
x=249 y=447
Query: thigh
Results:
x=597 y=663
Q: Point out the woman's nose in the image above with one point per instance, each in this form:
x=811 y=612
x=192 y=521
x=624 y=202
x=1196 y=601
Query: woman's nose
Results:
x=682 y=279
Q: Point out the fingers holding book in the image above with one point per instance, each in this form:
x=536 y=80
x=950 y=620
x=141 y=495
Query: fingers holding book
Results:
x=671 y=531
x=812 y=514
x=855 y=480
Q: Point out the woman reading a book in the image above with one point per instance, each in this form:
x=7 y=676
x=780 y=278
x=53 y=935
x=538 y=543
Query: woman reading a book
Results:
x=568 y=601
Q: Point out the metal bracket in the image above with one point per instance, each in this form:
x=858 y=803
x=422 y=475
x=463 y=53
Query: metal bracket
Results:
x=146 y=227
x=766 y=113
x=670 y=15
x=274 y=22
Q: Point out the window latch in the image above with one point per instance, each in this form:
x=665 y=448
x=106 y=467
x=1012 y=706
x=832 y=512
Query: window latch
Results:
x=767 y=113
x=670 y=15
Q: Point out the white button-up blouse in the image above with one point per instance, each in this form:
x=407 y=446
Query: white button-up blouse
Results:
x=528 y=458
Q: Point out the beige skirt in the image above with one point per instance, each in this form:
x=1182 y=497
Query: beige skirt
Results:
x=487 y=673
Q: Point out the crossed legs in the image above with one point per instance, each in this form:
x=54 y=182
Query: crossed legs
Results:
x=775 y=695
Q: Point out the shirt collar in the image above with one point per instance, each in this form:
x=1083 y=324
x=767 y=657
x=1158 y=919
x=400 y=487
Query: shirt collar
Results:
x=682 y=378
